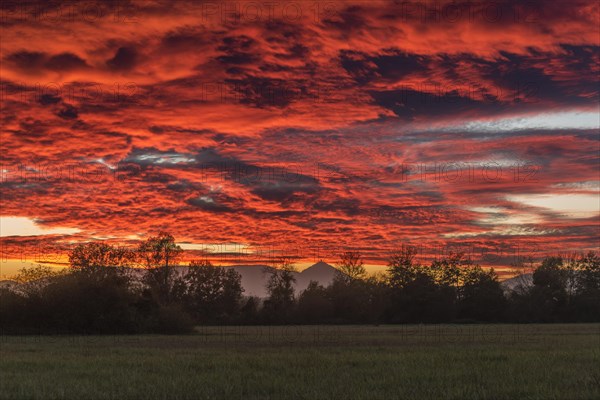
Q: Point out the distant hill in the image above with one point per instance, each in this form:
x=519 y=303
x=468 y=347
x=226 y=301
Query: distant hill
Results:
x=320 y=272
x=255 y=277
x=524 y=280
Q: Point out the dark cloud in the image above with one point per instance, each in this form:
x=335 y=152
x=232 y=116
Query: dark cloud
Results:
x=399 y=65
x=409 y=103
x=65 y=62
x=36 y=61
x=156 y=129
x=347 y=19
x=184 y=39
x=390 y=67
x=184 y=185
x=358 y=66
x=582 y=58
x=282 y=191
x=525 y=77
x=68 y=112
x=237 y=58
x=27 y=60
x=47 y=99
x=239 y=50
x=265 y=92
x=296 y=51
x=125 y=59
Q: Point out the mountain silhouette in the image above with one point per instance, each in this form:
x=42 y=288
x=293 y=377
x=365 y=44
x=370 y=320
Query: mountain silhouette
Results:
x=517 y=282
x=320 y=272
x=255 y=277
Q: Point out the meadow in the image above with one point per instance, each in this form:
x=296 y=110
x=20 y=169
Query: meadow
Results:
x=553 y=361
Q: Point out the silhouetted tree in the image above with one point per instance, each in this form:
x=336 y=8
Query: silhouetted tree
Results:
x=249 y=312
x=85 y=303
x=95 y=296
x=352 y=294
x=423 y=300
x=589 y=267
x=482 y=297
x=549 y=289
x=159 y=255
x=94 y=255
x=36 y=273
x=15 y=313
x=417 y=293
x=351 y=266
x=564 y=288
x=213 y=293
x=585 y=305
x=447 y=271
x=314 y=305
x=33 y=279
x=401 y=267
x=279 y=305
x=100 y=261
x=377 y=292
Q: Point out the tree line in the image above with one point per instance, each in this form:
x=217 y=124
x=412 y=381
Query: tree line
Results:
x=101 y=292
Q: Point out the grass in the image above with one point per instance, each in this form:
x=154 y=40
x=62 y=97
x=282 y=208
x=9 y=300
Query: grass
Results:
x=310 y=362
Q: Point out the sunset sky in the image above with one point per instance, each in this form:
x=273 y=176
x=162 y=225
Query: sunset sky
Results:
x=301 y=128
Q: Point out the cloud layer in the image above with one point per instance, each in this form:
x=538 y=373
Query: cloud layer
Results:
x=305 y=125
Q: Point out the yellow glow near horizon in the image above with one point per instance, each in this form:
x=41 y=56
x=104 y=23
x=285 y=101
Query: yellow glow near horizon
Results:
x=570 y=205
x=23 y=226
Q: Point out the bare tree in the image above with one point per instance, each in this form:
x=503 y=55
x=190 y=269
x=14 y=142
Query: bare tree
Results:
x=351 y=266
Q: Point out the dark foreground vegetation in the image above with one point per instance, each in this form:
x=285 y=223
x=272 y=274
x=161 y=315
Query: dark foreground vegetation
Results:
x=453 y=362
x=102 y=293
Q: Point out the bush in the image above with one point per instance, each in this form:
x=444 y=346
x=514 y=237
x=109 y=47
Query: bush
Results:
x=314 y=305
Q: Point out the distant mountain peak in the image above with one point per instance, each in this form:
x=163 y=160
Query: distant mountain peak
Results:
x=320 y=265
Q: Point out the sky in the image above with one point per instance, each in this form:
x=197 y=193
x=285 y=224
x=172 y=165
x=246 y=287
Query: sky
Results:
x=256 y=129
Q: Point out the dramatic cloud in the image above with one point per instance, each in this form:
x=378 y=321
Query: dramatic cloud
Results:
x=305 y=127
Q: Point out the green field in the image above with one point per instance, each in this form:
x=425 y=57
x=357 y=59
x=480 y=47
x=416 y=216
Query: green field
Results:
x=310 y=362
